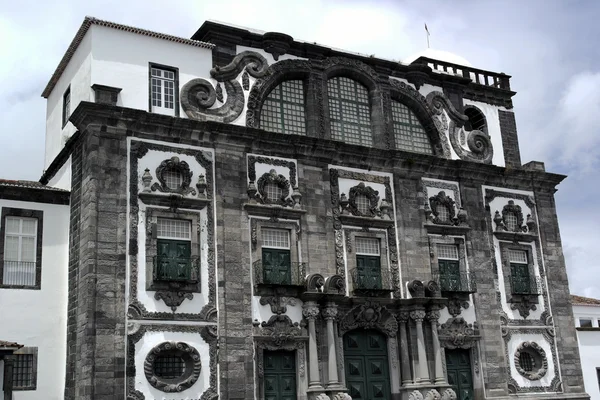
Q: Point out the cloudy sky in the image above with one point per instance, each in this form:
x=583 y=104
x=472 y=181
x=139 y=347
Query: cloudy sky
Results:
x=549 y=47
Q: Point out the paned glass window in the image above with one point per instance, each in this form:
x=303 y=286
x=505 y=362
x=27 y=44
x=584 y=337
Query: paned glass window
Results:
x=362 y=203
x=510 y=219
x=173 y=228
x=585 y=323
x=23 y=370
x=162 y=87
x=273 y=191
x=20 y=251
x=517 y=256
x=283 y=109
x=408 y=131
x=66 y=106
x=173 y=179
x=169 y=366
x=276 y=238
x=349 y=111
x=367 y=246
x=527 y=362
x=442 y=213
x=447 y=251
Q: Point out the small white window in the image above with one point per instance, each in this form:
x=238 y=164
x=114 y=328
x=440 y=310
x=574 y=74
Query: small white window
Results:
x=362 y=203
x=162 y=85
x=368 y=246
x=66 y=111
x=511 y=221
x=20 y=251
x=443 y=213
x=275 y=238
x=447 y=251
x=173 y=179
x=273 y=192
x=173 y=229
x=517 y=256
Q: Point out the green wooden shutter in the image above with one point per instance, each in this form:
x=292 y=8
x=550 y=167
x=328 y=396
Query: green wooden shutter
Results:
x=174 y=260
x=276 y=266
x=368 y=269
x=449 y=275
x=280 y=375
x=521 y=281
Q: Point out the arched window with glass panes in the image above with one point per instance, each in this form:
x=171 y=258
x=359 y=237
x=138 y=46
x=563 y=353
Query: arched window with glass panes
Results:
x=349 y=111
x=409 y=134
x=283 y=109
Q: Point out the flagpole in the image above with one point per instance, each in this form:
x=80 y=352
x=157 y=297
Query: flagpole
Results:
x=427 y=30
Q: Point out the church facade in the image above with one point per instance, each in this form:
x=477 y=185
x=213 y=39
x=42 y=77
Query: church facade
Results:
x=257 y=217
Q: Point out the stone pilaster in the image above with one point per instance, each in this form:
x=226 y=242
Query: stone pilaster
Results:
x=310 y=311
x=405 y=361
x=423 y=372
x=433 y=316
x=330 y=313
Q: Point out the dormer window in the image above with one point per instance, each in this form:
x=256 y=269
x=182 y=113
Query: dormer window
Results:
x=349 y=111
x=283 y=110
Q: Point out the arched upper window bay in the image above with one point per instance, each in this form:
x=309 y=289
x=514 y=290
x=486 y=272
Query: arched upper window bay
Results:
x=349 y=111
x=283 y=110
x=409 y=134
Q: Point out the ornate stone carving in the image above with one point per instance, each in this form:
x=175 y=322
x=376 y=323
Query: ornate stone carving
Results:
x=190 y=357
x=342 y=396
x=448 y=394
x=372 y=197
x=330 y=311
x=416 y=288
x=219 y=92
x=538 y=359
x=456 y=333
x=510 y=209
x=294 y=345
x=198 y=96
x=245 y=81
x=417 y=316
x=335 y=284
x=432 y=289
x=310 y=310
x=173 y=299
x=369 y=316
x=276 y=179
x=415 y=395
x=315 y=283
x=443 y=186
x=442 y=200
x=524 y=305
x=432 y=395
x=277 y=44
x=253 y=62
x=174 y=165
x=322 y=396
x=456 y=303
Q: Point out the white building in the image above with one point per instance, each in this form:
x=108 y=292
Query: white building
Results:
x=587 y=319
x=34 y=239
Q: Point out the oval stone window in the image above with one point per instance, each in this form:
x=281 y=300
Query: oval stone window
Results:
x=530 y=361
x=172 y=366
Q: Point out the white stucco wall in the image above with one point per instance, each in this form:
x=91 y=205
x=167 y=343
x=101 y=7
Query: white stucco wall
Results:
x=62 y=179
x=38 y=318
x=589 y=348
x=77 y=75
x=490 y=112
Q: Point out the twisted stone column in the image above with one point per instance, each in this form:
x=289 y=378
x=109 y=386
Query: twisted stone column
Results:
x=329 y=313
x=310 y=311
x=423 y=373
x=433 y=316
x=405 y=361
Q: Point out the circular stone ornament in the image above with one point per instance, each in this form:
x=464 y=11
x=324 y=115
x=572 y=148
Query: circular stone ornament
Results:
x=191 y=366
x=538 y=359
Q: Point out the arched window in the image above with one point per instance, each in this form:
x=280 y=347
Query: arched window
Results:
x=408 y=131
x=476 y=119
x=349 y=111
x=283 y=109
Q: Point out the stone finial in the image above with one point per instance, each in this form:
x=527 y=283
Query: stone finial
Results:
x=531 y=225
x=201 y=186
x=499 y=221
x=296 y=196
x=146 y=180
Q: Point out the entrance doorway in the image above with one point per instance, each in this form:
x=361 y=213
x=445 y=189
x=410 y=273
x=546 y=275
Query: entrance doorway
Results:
x=366 y=365
x=458 y=366
x=280 y=375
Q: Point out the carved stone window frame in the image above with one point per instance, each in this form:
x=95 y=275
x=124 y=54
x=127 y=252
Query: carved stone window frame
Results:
x=350 y=236
x=372 y=196
x=442 y=199
x=23 y=213
x=297 y=346
x=189 y=355
x=539 y=355
x=514 y=209
x=173 y=293
x=272 y=177
x=256 y=227
x=179 y=166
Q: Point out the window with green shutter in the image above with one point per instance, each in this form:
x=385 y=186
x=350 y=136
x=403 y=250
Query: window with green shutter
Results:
x=519 y=271
x=449 y=267
x=276 y=260
x=368 y=264
x=173 y=256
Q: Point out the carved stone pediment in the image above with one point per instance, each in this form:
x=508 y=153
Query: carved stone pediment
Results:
x=272 y=177
x=177 y=168
x=372 y=197
x=280 y=329
x=456 y=333
x=369 y=315
x=445 y=201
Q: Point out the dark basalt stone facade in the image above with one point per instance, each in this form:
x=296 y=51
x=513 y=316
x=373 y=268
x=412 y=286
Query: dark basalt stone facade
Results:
x=319 y=202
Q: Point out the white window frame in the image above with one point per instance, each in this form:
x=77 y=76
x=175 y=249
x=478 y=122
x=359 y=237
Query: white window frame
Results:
x=153 y=79
x=20 y=235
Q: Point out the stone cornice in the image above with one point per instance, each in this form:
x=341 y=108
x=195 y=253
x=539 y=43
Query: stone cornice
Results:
x=139 y=123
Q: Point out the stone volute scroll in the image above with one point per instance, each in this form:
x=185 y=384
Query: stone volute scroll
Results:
x=199 y=95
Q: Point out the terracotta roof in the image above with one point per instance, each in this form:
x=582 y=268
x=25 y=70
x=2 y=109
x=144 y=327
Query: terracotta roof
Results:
x=4 y=343
x=28 y=184
x=584 y=300
x=85 y=26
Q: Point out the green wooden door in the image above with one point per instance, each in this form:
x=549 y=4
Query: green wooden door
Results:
x=280 y=375
x=276 y=266
x=173 y=261
x=521 y=283
x=449 y=275
x=458 y=367
x=366 y=364
x=368 y=270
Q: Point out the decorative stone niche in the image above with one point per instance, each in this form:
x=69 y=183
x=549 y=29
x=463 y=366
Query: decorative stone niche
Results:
x=273 y=188
x=364 y=204
x=531 y=361
x=510 y=222
x=172 y=366
x=443 y=211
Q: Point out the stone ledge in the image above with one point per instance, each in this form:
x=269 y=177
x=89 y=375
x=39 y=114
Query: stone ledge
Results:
x=274 y=211
x=515 y=236
x=447 y=229
x=366 y=221
x=173 y=200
